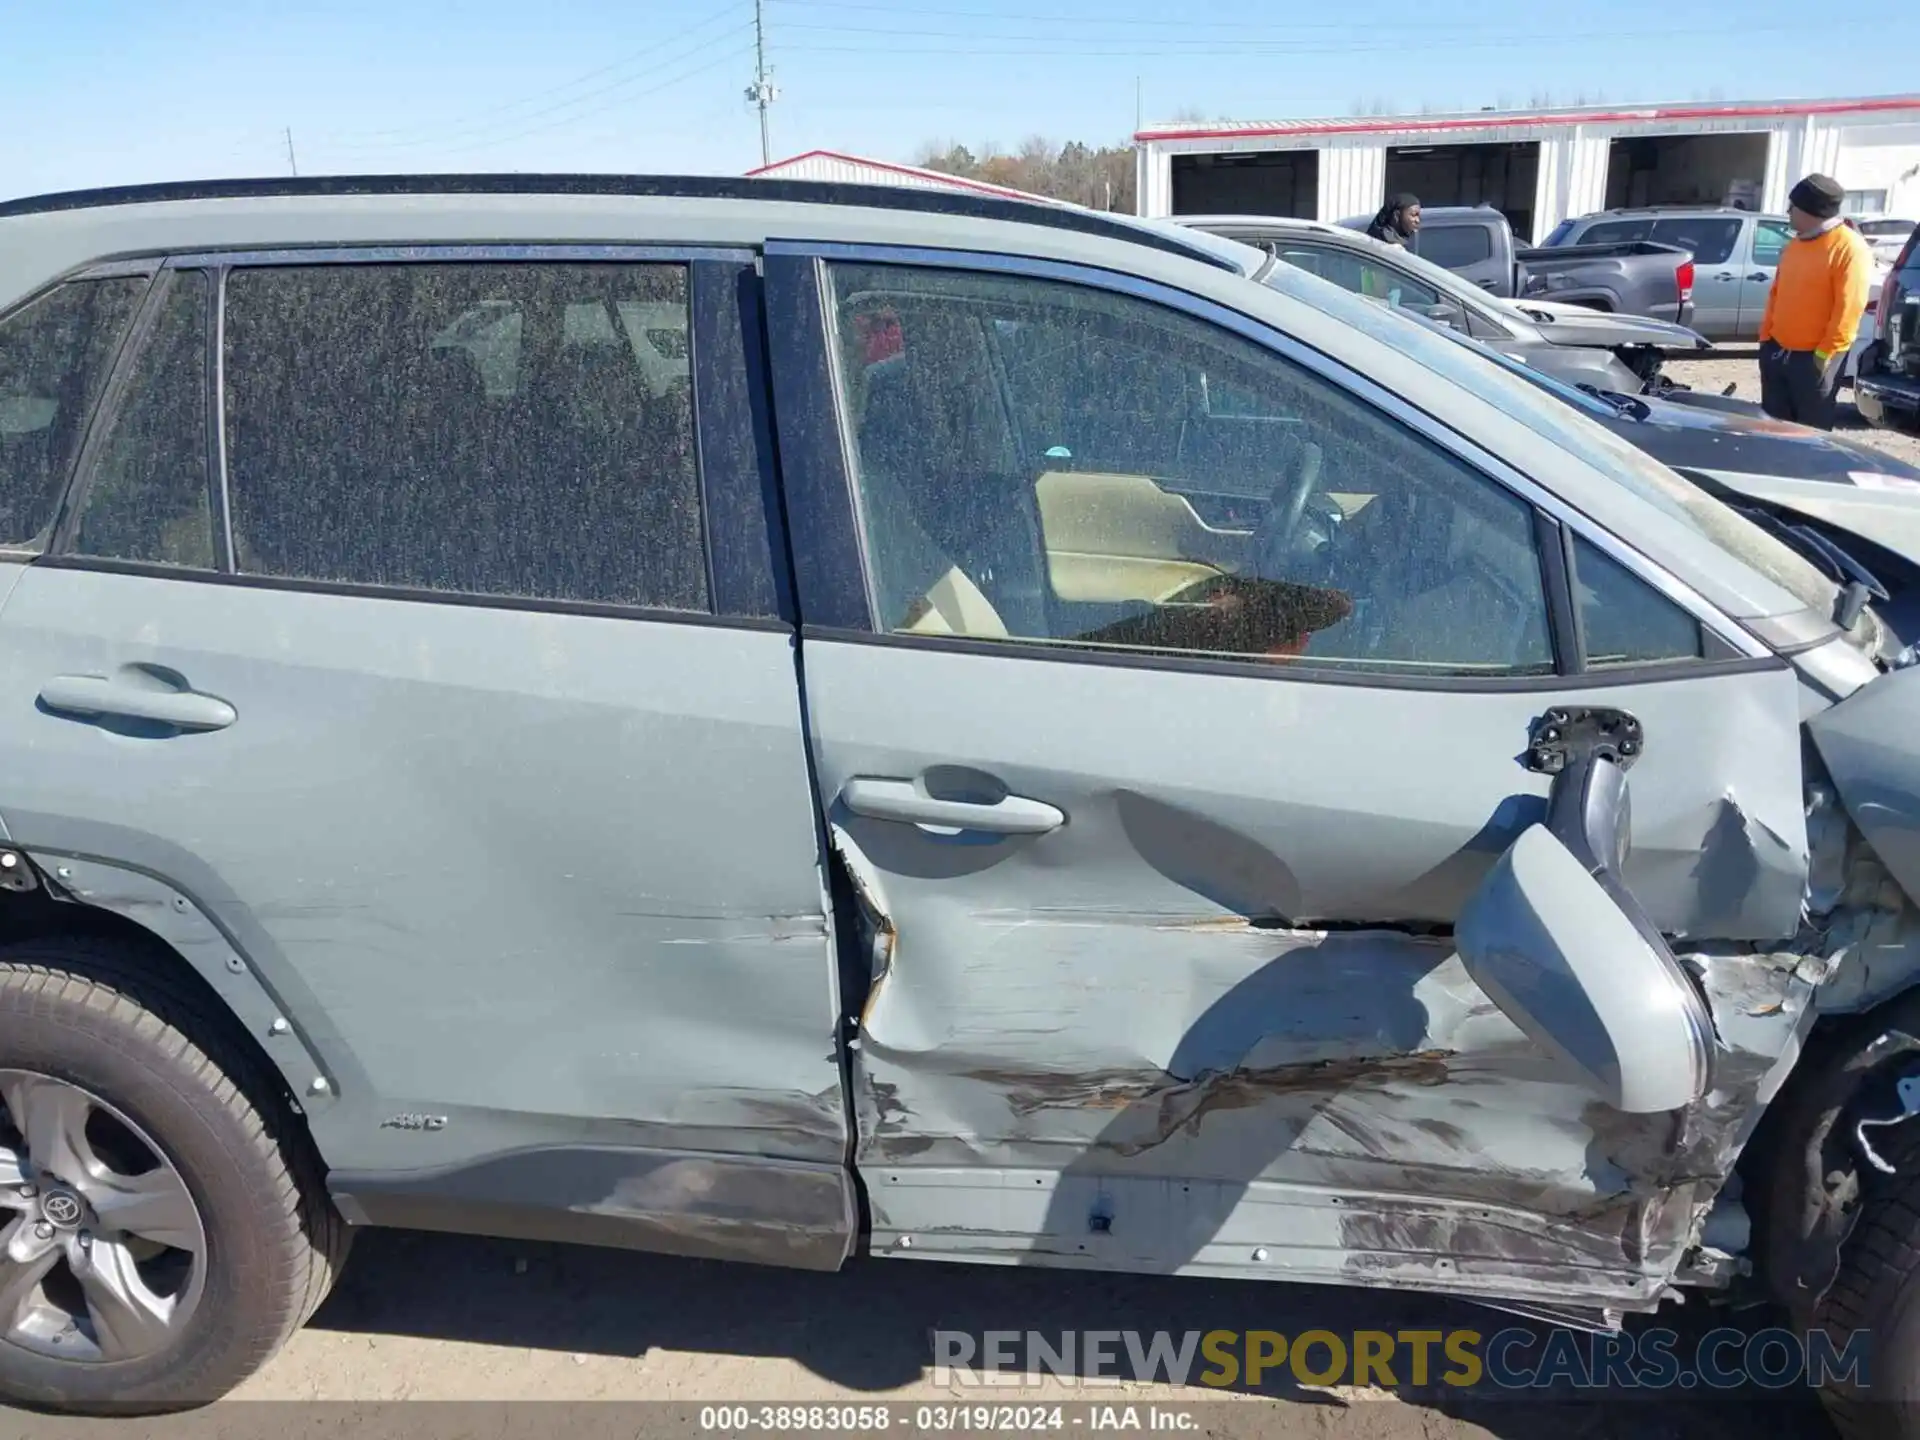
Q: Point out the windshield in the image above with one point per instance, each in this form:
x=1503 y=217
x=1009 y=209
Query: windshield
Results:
x=1537 y=406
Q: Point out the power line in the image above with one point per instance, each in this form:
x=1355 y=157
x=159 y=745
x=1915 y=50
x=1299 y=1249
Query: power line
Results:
x=1129 y=46
x=439 y=133
x=1107 y=18
x=293 y=165
x=731 y=57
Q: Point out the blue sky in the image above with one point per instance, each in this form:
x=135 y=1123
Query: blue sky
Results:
x=96 y=92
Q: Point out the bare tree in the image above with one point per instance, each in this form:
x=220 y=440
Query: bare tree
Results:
x=1097 y=176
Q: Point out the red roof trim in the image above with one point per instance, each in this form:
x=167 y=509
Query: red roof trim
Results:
x=914 y=170
x=1654 y=113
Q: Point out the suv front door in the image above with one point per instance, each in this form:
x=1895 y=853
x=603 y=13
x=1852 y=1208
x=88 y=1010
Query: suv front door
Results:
x=1166 y=686
x=1715 y=243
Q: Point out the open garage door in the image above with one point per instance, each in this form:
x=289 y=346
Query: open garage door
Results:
x=1504 y=176
x=1272 y=182
x=1687 y=170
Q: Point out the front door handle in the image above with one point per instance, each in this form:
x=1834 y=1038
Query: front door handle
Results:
x=1759 y=275
x=93 y=696
x=904 y=801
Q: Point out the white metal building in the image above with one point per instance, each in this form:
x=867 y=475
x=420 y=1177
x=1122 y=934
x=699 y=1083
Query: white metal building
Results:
x=834 y=165
x=1540 y=167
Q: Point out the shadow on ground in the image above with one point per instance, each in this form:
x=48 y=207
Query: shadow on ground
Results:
x=871 y=1328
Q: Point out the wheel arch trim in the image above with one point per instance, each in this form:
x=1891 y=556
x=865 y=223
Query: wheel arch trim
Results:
x=313 y=1072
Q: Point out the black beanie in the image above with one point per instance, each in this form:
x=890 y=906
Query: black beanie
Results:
x=1818 y=195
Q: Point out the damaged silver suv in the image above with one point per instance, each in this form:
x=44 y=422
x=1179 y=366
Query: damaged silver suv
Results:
x=769 y=721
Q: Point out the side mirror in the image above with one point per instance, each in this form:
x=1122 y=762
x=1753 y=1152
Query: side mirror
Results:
x=1557 y=942
x=1446 y=314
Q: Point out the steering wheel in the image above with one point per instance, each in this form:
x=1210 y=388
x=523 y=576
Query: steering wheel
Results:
x=1272 y=539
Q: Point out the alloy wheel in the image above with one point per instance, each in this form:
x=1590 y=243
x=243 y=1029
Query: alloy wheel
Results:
x=102 y=1248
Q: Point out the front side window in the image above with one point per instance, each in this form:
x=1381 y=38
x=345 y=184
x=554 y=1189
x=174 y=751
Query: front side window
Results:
x=148 y=497
x=1770 y=239
x=1711 y=240
x=54 y=357
x=1037 y=461
x=519 y=430
x=1474 y=370
x=1363 y=275
x=1624 y=620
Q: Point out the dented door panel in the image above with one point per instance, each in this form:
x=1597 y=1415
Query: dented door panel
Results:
x=1217 y=1014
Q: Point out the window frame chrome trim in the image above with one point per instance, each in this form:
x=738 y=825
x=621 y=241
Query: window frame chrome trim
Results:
x=1429 y=427
x=492 y=252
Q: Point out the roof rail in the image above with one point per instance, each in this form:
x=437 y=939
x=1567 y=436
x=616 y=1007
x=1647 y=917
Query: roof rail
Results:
x=690 y=187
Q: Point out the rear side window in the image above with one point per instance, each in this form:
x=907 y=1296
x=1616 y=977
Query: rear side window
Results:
x=1613 y=232
x=54 y=356
x=1769 y=242
x=519 y=430
x=1711 y=240
x=1455 y=245
x=148 y=496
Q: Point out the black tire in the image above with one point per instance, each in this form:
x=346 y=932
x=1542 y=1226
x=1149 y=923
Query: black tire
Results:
x=119 y=1021
x=1877 y=1290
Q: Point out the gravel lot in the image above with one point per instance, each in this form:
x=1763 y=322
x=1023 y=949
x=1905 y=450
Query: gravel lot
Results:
x=1740 y=368
x=427 y=1318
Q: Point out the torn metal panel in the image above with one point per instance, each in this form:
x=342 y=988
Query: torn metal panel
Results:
x=1218 y=1010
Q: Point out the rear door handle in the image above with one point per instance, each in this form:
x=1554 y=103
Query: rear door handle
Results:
x=904 y=801
x=91 y=695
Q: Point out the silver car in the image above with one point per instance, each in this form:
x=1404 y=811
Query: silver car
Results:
x=1624 y=353
x=1053 y=743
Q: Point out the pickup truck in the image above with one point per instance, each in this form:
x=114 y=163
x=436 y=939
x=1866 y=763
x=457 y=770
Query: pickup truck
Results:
x=1635 y=277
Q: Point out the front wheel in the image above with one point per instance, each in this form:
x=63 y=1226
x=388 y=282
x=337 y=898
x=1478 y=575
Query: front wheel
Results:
x=161 y=1230
x=1877 y=1290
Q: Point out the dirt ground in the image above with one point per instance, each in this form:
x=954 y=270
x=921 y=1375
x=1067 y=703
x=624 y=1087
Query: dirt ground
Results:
x=439 y=1318
x=1739 y=367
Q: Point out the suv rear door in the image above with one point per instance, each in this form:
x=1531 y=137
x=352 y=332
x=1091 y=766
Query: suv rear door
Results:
x=1715 y=241
x=434 y=656
x=1766 y=241
x=1166 y=683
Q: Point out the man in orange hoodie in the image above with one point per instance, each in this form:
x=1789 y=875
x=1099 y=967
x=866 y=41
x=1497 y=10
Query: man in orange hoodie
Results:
x=1813 y=310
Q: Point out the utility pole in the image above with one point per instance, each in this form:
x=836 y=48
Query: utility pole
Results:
x=293 y=165
x=762 y=92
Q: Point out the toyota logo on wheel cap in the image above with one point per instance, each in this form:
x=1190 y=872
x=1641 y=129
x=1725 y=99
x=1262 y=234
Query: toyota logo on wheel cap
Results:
x=61 y=1208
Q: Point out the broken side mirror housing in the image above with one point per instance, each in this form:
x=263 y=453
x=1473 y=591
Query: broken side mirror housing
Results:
x=1558 y=943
